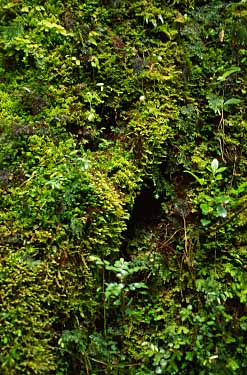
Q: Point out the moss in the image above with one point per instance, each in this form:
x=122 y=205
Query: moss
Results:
x=100 y=102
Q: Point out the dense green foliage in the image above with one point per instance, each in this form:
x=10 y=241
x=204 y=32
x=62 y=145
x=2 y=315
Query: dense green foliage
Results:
x=123 y=187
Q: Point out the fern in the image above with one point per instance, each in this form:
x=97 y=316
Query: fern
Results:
x=11 y=32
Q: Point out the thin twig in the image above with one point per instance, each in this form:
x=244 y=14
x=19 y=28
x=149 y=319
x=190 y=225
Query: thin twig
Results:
x=167 y=242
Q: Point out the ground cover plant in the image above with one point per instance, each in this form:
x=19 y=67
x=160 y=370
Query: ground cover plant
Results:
x=123 y=187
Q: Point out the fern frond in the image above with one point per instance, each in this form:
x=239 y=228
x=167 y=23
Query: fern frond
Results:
x=11 y=32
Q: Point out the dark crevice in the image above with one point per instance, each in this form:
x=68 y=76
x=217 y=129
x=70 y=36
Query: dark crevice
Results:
x=146 y=212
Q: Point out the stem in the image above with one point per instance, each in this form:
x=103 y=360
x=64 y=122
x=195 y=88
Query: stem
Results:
x=185 y=237
x=222 y=127
x=186 y=245
x=104 y=302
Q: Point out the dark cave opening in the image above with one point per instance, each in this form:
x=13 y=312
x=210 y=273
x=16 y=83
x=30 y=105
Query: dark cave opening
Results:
x=145 y=213
x=146 y=209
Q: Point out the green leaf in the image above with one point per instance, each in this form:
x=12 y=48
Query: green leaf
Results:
x=205 y=208
x=91 y=116
x=232 y=101
x=205 y=222
x=221 y=169
x=233 y=69
x=221 y=211
x=214 y=165
x=47 y=26
x=189 y=356
x=215 y=102
x=134 y=286
x=200 y=180
x=113 y=289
